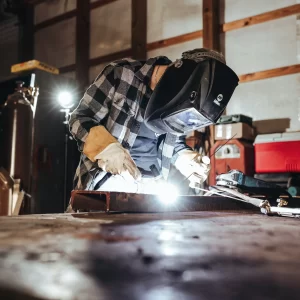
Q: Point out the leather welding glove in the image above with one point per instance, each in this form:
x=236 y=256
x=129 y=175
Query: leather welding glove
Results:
x=111 y=157
x=193 y=166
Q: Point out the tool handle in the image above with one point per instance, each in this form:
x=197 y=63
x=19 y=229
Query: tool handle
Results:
x=102 y=181
x=154 y=171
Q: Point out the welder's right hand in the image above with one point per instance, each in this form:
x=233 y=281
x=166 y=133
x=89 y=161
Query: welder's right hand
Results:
x=100 y=145
x=193 y=166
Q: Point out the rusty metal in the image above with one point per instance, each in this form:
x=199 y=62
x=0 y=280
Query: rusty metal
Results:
x=128 y=202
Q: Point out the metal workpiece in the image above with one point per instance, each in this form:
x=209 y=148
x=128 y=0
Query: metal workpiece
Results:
x=192 y=255
x=128 y=202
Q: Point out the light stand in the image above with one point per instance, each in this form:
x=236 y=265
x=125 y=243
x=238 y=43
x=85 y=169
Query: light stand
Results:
x=67 y=137
x=65 y=99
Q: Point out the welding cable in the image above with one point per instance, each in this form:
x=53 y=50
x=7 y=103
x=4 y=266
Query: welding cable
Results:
x=254 y=201
x=220 y=194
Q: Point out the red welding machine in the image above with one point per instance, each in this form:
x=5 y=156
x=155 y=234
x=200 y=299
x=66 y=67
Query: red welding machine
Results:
x=232 y=155
x=277 y=153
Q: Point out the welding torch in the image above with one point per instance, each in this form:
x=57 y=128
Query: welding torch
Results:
x=153 y=168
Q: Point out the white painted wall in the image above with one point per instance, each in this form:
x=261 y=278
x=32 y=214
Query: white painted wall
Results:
x=110 y=28
x=261 y=47
x=239 y=9
x=276 y=97
x=168 y=18
x=95 y=70
x=50 y=9
x=55 y=45
x=255 y=48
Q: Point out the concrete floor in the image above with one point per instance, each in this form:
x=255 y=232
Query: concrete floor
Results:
x=203 y=255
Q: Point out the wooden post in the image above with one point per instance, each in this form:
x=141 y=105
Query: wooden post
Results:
x=211 y=26
x=26 y=46
x=82 y=42
x=211 y=40
x=139 y=29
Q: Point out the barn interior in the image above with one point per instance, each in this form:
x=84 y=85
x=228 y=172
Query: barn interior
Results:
x=233 y=235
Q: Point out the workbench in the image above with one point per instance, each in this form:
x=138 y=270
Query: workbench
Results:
x=192 y=255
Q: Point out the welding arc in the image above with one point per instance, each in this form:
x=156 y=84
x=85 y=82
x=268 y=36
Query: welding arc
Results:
x=222 y=145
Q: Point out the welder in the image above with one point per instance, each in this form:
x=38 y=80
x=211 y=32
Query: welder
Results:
x=132 y=121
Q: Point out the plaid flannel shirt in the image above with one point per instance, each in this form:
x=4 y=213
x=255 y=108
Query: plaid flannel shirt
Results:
x=115 y=100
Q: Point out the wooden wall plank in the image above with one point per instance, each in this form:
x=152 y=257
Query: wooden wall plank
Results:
x=67 y=69
x=92 y=4
x=99 y=3
x=264 y=17
x=175 y=40
x=34 y=2
x=110 y=57
x=69 y=14
x=57 y=19
x=283 y=12
x=257 y=19
x=288 y=70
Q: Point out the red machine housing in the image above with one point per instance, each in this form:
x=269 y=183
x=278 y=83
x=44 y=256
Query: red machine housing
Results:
x=236 y=154
x=277 y=153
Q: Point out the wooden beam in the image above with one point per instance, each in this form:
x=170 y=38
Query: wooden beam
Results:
x=211 y=31
x=249 y=21
x=92 y=4
x=211 y=40
x=261 y=18
x=55 y=20
x=34 y=2
x=82 y=42
x=110 y=57
x=69 y=14
x=139 y=29
x=288 y=70
x=26 y=45
x=175 y=40
x=99 y=60
x=100 y=3
x=128 y=52
x=67 y=69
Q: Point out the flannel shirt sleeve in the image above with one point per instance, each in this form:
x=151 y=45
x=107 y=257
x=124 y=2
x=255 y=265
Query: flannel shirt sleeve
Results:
x=94 y=106
x=179 y=146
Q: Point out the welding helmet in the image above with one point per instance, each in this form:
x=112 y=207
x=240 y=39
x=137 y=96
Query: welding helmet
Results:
x=192 y=93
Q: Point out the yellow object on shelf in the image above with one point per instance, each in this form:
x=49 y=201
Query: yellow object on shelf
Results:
x=33 y=64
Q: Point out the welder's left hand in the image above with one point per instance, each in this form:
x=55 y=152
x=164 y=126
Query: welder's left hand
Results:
x=193 y=166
